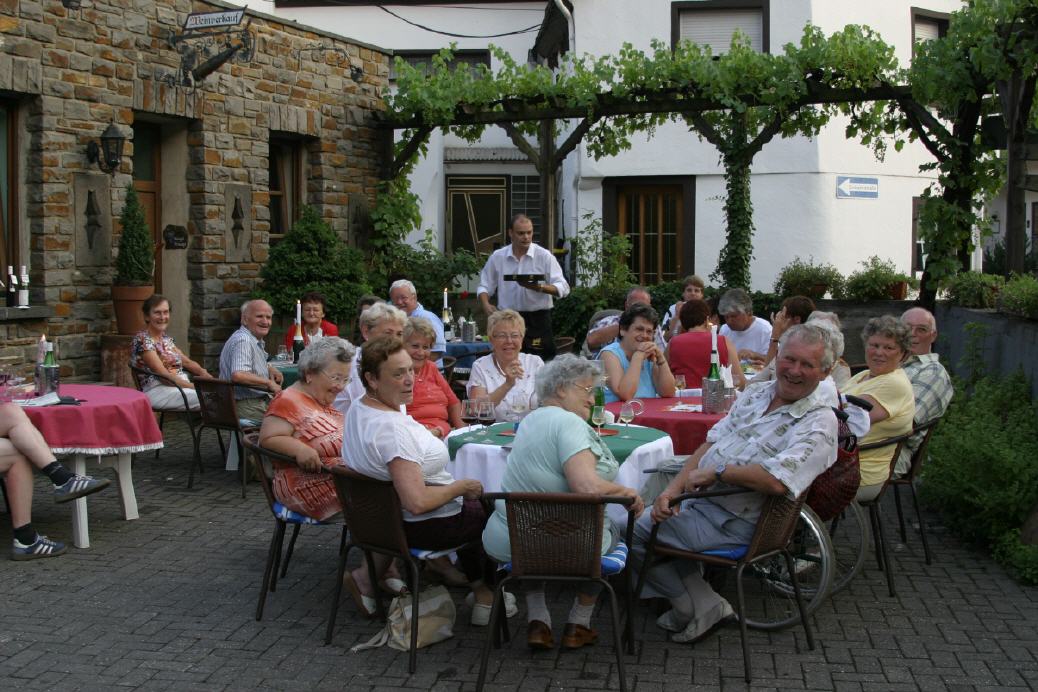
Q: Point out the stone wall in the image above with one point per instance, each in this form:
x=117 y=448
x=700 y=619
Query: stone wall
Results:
x=72 y=72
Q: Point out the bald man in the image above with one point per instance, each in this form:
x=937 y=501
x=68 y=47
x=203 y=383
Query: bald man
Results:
x=930 y=381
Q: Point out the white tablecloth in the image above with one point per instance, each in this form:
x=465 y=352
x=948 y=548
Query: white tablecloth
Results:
x=486 y=464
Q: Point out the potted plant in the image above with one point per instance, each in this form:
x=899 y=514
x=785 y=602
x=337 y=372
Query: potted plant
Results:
x=800 y=278
x=878 y=280
x=134 y=267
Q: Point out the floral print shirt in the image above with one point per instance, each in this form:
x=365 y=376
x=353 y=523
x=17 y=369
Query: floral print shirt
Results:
x=164 y=348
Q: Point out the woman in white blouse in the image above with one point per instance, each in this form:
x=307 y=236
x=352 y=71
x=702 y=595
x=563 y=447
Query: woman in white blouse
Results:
x=506 y=375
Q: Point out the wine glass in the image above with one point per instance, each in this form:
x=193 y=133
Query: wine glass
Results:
x=517 y=406
x=598 y=417
x=626 y=416
x=470 y=412
x=283 y=355
x=679 y=384
x=486 y=415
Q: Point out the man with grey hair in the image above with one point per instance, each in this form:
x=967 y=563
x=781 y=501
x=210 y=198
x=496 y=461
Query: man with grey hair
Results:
x=777 y=438
x=402 y=294
x=380 y=319
x=751 y=335
x=243 y=361
x=931 y=384
x=607 y=329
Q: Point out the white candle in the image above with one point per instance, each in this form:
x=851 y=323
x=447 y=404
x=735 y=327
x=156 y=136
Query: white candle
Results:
x=299 y=312
x=713 y=337
x=445 y=299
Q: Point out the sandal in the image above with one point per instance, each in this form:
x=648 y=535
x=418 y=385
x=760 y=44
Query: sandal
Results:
x=366 y=605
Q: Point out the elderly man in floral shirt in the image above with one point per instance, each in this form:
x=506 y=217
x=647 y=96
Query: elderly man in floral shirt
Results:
x=777 y=438
x=931 y=384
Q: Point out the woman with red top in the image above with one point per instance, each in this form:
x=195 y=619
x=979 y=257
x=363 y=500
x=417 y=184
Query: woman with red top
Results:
x=312 y=305
x=301 y=423
x=689 y=352
x=434 y=405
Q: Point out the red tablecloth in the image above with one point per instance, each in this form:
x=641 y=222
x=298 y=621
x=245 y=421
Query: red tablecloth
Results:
x=111 y=420
x=687 y=430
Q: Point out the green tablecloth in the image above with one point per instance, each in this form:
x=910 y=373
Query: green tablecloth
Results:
x=621 y=447
x=290 y=373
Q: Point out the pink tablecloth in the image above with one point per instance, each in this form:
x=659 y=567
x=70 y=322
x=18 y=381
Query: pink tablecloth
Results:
x=687 y=430
x=111 y=420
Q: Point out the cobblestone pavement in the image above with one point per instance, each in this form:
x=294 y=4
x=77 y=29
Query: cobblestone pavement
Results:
x=168 y=602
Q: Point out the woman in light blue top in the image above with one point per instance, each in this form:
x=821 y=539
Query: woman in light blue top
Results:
x=635 y=367
x=556 y=451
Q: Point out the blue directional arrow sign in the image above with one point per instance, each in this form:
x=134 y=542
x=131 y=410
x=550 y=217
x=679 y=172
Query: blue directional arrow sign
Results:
x=856 y=187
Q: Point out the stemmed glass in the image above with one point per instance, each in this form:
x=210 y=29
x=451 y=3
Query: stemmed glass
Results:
x=517 y=406
x=679 y=384
x=628 y=411
x=486 y=415
x=283 y=354
x=470 y=411
x=598 y=417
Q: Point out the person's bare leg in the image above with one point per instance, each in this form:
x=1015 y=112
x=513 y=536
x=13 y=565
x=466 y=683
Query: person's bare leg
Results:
x=18 y=477
x=17 y=427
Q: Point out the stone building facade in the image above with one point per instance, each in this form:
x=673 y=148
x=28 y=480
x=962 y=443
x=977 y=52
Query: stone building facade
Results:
x=222 y=161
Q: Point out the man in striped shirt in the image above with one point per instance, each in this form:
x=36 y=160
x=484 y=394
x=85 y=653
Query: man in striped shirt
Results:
x=243 y=361
x=930 y=381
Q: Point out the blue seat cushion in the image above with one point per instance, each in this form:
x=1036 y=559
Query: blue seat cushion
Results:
x=420 y=554
x=613 y=562
x=730 y=553
x=292 y=517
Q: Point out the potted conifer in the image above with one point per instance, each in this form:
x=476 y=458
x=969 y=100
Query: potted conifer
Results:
x=134 y=267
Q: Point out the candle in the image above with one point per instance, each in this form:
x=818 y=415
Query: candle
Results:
x=299 y=312
x=713 y=337
x=445 y=299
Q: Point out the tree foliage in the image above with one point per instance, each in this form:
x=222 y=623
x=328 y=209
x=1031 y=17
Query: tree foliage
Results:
x=136 y=261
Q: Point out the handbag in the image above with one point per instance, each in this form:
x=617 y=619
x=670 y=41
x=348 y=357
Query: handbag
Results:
x=835 y=488
x=436 y=615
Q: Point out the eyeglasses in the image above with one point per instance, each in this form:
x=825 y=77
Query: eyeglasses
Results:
x=338 y=380
x=586 y=390
x=511 y=336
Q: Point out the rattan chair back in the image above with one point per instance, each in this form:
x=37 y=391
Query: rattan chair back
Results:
x=558 y=534
x=778 y=520
x=372 y=510
x=263 y=460
x=919 y=456
x=216 y=403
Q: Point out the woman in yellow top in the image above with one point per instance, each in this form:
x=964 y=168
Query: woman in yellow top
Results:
x=886 y=386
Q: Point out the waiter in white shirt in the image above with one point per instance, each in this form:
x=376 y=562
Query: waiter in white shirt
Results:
x=532 y=300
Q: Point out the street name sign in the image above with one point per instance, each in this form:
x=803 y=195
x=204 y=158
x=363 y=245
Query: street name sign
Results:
x=856 y=187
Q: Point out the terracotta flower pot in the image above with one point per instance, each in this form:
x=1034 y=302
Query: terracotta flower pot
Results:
x=898 y=290
x=127 y=301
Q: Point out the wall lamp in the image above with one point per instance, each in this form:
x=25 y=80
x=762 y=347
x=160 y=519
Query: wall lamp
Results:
x=109 y=154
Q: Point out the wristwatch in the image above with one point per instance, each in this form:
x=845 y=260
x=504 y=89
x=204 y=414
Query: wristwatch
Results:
x=719 y=471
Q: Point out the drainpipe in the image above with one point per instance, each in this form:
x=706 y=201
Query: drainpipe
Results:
x=578 y=152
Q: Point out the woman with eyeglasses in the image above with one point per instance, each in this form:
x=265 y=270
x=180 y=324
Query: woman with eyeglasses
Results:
x=301 y=423
x=433 y=404
x=506 y=375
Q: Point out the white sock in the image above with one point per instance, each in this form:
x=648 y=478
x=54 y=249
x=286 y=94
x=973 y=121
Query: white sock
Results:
x=581 y=614
x=536 y=609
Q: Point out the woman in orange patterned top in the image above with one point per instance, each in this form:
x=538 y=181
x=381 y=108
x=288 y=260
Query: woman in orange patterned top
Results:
x=301 y=423
x=433 y=405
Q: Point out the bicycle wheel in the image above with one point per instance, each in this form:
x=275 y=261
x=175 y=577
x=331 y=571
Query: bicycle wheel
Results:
x=850 y=537
x=770 y=601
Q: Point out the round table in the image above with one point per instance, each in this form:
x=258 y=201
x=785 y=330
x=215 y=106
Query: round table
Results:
x=108 y=422
x=686 y=428
x=467 y=352
x=290 y=372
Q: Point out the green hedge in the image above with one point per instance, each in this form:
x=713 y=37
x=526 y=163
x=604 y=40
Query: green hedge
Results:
x=982 y=474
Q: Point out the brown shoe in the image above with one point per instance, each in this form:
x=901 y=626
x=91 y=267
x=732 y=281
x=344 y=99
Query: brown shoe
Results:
x=576 y=636
x=538 y=636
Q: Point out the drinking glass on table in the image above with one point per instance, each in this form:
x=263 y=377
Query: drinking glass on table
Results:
x=679 y=384
x=598 y=417
x=486 y=415
x=470 y=412
x=628 y=411
x=518 y=406
x=283 y=355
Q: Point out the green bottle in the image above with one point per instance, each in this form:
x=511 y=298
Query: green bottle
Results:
x=599 y=401
x=715 y=361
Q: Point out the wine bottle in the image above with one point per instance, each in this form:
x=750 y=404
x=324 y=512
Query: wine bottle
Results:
x=448 y=323
x=23 y=289
x=715 y=361
x=297 y=343
x=12 y=287
x=599 y=401
x=47 y=372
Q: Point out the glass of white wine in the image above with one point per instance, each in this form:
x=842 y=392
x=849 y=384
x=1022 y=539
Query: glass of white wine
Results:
x=598 y=417
x=628 y=411
x=679 y=384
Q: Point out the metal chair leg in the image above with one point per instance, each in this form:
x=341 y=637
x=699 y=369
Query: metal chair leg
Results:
x=886 y=558
x=922 y=526
x=900 y=513
x=741 y=599
x=275 y=547
x=791 y=567
x=343 y=554
x=291 y=547
x=618 y=646
x=412 y=663
x=495 y=612
x=874 y=520
x=162 y=421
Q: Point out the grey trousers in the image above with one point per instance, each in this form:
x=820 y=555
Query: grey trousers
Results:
x=700 y=525
x=252 y=408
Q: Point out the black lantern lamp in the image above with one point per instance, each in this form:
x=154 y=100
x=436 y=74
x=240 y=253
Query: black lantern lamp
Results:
x=71 y=4
x=109 y=154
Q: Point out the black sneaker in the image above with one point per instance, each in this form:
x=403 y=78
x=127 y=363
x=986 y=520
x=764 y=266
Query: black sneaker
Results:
x=78 y=486
x=42 y=547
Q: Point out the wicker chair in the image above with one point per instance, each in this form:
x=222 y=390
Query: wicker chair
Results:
x=262 y=460
x=447 y=367
x=918 y=457
x=778 y=519
x=558 y=537
x=880 y=541
x=220 y=412
x=564 y=344
x=140 y=375
x=371 y=508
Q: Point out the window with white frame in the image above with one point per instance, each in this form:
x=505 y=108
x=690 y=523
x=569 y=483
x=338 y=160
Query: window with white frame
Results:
x=928 y=25
x=713 y=23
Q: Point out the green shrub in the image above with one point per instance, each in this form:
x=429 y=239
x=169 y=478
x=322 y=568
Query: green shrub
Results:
x=312 y=257
x=800 y=278
x=136 y=261
x=982 y=474
x=572 y=313
x=995 y=258
x=1020 y=296
x=874 y=279
x=973 y=289
x=1020 y=559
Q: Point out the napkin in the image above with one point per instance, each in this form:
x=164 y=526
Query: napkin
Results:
x=688 y=408
x=726 y=376
x=689 y=392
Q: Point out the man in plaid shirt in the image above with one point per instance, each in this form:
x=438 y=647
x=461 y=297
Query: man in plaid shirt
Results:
x=930 y=382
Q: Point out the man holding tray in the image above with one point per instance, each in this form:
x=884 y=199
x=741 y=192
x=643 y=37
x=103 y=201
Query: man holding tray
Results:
x=526 y=278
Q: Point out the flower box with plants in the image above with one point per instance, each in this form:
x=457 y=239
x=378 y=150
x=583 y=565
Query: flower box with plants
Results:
x=800 y=278
x=878 y=279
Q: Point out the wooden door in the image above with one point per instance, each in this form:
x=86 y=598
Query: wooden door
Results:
x=147 y=181
x=652 y=216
